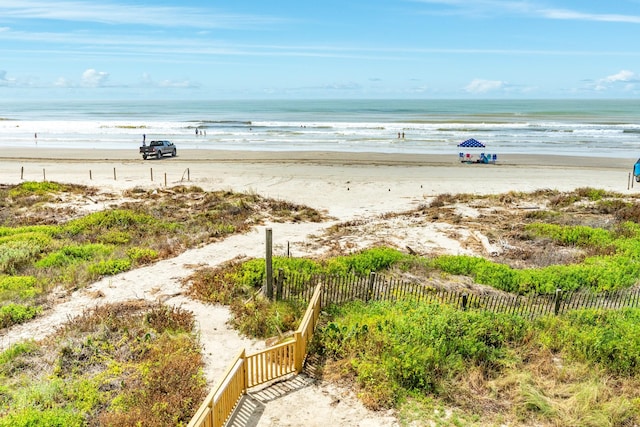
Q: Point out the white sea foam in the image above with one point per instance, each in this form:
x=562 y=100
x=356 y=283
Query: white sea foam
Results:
x=428 y=127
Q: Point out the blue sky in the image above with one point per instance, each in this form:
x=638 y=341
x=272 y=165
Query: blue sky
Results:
x=238 y=49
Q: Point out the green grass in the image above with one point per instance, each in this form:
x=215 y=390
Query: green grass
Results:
x=576 y=369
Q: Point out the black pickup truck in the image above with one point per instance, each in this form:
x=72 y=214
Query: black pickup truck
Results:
x=158 y=149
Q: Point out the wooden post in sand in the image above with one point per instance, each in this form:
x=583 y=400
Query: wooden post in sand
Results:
x=21 y=173
x=44 y=175
x=165 y=179
x=151 y=170
x=268 y=261
x=114 y=174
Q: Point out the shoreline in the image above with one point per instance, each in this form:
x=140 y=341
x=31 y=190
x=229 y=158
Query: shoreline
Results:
x=27 y=154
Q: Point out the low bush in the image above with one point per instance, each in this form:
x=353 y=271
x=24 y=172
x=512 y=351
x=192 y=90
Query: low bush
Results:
x=21 y=287
x=364 y=262
x=142 y=255
x=607 y=338
x=120 y=365
x=416 y=346
x=603 y=273
x=13 y=314
x=488 y=369
x=261 y=318
x=16 y=254
x=74 y=253
x=39 y=188
x=110 y=267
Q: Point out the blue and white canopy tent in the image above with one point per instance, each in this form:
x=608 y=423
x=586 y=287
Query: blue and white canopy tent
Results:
x=471 y=143
x=467 y=157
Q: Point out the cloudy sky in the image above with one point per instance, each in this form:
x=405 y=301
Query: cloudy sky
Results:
x=282 y=49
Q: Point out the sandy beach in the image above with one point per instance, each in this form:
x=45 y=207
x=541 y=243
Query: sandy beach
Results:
x=346 y=186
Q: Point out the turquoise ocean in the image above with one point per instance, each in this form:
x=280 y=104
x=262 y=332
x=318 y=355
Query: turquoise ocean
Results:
x=606 y=128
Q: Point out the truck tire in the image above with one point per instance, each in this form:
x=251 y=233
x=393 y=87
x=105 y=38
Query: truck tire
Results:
x=144 y=156
x=159 y=154
x=173 y=153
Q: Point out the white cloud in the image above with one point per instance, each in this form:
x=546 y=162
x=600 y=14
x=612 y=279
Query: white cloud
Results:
x=622 y=76
x=123 y=13
x=94 y=78
x=62 y=82
x=147 y=81
x=624 y=79
x=572 y=15
x=489 y=8
x=478 y=86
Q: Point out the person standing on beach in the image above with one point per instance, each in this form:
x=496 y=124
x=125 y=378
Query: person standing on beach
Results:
x=35 y=135
x=196 y=131
x=144 y=139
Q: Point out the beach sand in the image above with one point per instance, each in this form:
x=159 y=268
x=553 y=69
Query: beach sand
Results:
x=346 y=186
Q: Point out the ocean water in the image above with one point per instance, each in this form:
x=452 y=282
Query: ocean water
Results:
x=607 y=128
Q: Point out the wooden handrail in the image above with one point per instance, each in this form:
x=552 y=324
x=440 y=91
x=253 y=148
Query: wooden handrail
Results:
x=258 y=368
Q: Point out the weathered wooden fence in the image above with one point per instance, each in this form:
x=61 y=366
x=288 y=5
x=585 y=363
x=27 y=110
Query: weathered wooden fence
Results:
x=248 y=371
x=338 y=290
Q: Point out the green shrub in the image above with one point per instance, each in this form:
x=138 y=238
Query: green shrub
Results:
x=593 y=194
x=100 y=222
x=252 y=273
x=110 y=267
x=39 y=188
x=40 y=235
x=36 y=417
x=262 y=319
x=15 y=351
x=607 y=338
x=142 y=255
x=419 y=346
x=575 y=235
x=13 y=314
x=74 y=253
x=601 y=273
x=16 y=254
x=362 y=263
x=23 y=287
x=365 y=262
x=114 y=237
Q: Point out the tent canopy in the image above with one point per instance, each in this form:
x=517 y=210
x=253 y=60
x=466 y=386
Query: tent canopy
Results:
x=471 y=143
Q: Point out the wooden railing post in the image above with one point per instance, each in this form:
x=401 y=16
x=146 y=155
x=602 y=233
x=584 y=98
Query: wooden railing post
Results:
x=465 y=299
x=268 y=262
x=245 y=372
x=299 y=350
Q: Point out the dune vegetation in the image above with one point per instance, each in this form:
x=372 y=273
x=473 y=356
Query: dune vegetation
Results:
x=124 y=364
